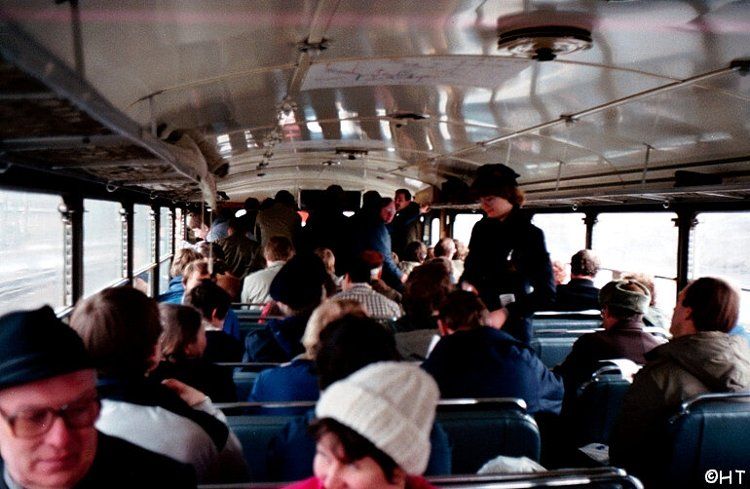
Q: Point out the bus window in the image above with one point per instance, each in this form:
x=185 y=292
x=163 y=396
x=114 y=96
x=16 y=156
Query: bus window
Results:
x=31 y=251
x=462 y=226
x=165 y=247
x=434 y=231
x=564 y=234
x=142 y=255
x=179 y=228
x=721 y=241
x=102 y=241
x=639 y=242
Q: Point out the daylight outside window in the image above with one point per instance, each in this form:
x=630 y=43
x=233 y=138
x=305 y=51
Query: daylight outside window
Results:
x=640 y=242
x=721 y=241
x=33 y=228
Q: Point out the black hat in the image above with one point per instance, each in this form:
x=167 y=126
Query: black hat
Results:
x=492 y=178
x=299 y=283
x=36 y=345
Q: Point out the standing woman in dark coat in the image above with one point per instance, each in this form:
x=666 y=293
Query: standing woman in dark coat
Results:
x=508 y=263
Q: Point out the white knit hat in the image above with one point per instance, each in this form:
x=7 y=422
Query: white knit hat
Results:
x=392 y=404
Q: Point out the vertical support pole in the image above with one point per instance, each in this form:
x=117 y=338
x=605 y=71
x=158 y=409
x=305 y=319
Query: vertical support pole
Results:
x=685 y=223
x=155 y=251
x=126 y=243
x=590 y=221
x=71 y=213
x=172 y=230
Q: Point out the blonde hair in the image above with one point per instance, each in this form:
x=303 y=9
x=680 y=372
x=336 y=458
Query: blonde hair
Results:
x=325 y=314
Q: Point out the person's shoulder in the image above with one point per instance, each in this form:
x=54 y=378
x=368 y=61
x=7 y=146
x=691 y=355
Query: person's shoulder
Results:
x=120 y=463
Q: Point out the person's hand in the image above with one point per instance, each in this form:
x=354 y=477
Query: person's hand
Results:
x=190 y=395
x=424 y=208
x=496 y=319
x=469 y=288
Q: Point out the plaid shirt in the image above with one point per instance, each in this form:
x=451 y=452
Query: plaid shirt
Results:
x=377 y=305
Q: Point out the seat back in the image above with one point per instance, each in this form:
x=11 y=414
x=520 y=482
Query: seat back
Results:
x=481 y=431
x=710 y=431
x=255 y=433
x=595 y=409
x=553 y=346
x=566 y=320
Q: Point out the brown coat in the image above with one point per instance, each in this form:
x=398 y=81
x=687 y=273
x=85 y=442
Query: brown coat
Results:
x=683 y=368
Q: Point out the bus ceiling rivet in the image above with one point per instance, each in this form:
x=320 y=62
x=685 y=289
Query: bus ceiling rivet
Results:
x=665 y=204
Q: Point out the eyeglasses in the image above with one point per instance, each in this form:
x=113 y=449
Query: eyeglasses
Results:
x=30 y=423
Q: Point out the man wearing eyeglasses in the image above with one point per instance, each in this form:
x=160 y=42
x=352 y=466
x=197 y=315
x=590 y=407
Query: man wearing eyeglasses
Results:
x=48 y=406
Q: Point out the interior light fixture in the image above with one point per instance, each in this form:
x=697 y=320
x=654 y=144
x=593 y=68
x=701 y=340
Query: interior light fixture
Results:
x=544 y=43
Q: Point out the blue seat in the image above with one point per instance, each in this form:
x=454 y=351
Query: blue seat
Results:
x=710 y=431
x=484 y=429
x=553 y=346
x=255 y=433
x=593 y=412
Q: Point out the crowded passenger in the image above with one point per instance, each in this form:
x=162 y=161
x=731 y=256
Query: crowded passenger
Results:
x=368 y=231
x=654 y=316
x=425 y=290
x=183 y=344
x=297 y=289
x=120 y=329
x=214 y=304
x=405 y=226
x=579 y=293
x=508 y=263
x=329 y=262
x=374 y=428
x=49 y=407
x=255 y=288
x=298 y=380
x=239 y=250
x=278 y=217
x=345 y=346
x=474 y=360
x=323 y=227
x=414 y=255
x=624 y=304
x=176 y=288
x=356 y=286
x=700 y=358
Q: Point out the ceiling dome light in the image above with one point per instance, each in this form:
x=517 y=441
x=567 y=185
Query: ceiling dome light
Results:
x=543 y=43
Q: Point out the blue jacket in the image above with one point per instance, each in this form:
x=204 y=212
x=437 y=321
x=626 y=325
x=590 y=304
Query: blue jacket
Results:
x=486 y=362
x=294 y=382
x=174 y=292
x=367 y=232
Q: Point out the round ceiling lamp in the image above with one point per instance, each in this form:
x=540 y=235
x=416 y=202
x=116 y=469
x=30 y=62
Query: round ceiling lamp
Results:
x=544 y=43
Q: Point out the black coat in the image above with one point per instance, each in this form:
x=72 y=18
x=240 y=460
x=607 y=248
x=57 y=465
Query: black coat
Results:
x=577 y=295
x=120 y=464
x=510 y=257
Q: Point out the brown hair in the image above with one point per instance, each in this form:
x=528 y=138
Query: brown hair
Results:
x=181 y=327
x=328 y=259
x=714 y=304
x=181 y=259
x=426 y=288
x=120 y=329
x=584 y=262
x=353 y=445
x=462 y=309
x=200 y=265
x=442 y=247
x=278 y=248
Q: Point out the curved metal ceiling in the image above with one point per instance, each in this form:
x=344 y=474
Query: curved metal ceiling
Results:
x=415 y=92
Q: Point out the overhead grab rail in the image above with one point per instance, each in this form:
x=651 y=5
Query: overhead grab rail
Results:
x=737 y=65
